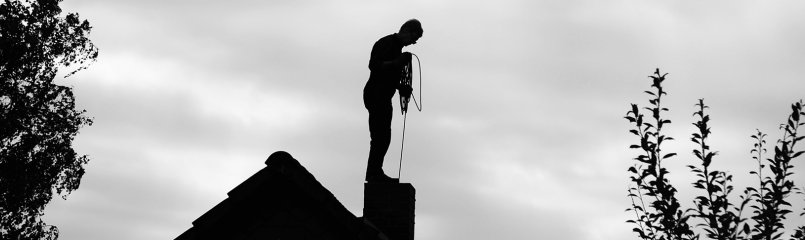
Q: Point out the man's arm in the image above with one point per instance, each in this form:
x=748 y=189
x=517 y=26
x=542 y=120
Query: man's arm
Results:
x=378 y=63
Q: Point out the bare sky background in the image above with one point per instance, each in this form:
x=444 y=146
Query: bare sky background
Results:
x=522 y=134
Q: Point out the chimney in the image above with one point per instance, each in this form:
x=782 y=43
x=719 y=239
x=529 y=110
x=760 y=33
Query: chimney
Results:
x=390 y=207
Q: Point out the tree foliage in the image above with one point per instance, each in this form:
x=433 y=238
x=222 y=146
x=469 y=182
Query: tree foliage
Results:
x=38 y=118
x=720 y=219
x=775 y=189
x=664 y=218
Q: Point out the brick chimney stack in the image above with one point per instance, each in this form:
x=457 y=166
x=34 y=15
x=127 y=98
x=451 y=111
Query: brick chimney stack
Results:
x=390 y=207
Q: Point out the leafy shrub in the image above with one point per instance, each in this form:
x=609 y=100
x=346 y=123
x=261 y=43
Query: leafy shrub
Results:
x=663 y=218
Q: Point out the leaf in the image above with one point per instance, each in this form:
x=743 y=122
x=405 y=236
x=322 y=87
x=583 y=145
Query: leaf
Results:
x=698 y=153
x=644 y=143
x=703 y=201
x=669 y=155
x=638 y=231
x=709 y=156
x=777 y=236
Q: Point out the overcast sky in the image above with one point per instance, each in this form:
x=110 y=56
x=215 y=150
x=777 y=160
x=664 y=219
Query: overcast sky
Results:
x=522 y=134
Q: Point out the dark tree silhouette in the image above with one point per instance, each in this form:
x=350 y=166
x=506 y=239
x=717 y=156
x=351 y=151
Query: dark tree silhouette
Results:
x=38 y=119
x=658 y=215
x=721 y=218
x=775 y=189
x=664 y=217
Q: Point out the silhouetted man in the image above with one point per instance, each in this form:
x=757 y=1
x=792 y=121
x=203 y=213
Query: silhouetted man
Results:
x=386 y=64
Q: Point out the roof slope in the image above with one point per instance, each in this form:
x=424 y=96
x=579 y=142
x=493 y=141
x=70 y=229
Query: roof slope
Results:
x=281 y=201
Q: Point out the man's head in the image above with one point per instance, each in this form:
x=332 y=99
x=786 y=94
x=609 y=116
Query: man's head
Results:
x=410 y=32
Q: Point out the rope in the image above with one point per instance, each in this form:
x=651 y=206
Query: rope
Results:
x=406 y=81
x=419 y=66
x=402 y=147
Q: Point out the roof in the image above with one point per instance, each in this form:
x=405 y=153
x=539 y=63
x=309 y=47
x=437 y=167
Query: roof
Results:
x=281 y=200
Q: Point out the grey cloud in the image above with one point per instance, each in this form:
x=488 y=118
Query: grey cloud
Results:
x=544 y=83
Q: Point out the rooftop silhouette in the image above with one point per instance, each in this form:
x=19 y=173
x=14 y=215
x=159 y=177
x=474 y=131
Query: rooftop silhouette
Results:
x=284 y=201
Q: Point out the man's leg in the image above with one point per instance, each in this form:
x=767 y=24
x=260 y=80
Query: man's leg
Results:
x=380 y=133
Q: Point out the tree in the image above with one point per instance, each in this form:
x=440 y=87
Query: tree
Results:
x=38 y=119
x=663 y=219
